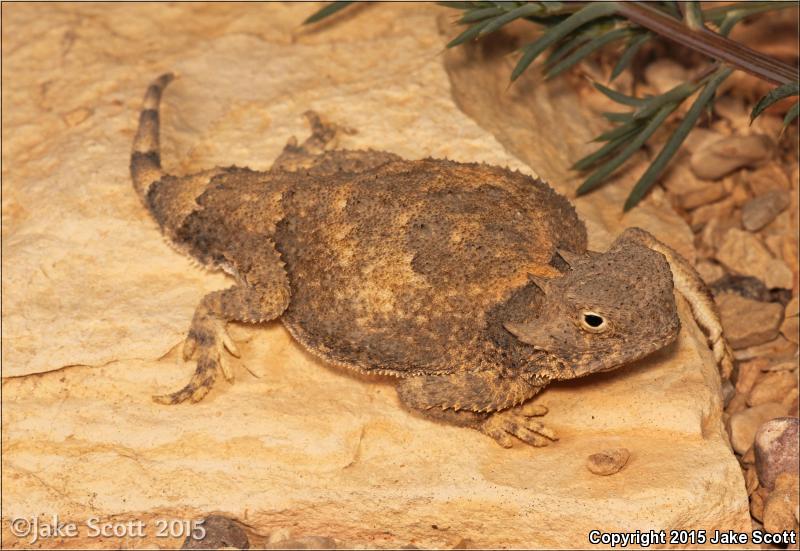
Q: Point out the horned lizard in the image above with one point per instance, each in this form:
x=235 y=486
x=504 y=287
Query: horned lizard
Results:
x=470 y=283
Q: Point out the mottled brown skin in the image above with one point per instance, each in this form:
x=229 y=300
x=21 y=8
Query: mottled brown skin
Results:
x=470 y=283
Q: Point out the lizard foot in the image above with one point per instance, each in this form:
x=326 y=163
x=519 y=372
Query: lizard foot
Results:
x=209 y=339
x=519 y=422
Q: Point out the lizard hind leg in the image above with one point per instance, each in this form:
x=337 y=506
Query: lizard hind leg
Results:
x=323 y=135
x=263 y=295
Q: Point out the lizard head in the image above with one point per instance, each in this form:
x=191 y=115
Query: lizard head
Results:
x=608 y=310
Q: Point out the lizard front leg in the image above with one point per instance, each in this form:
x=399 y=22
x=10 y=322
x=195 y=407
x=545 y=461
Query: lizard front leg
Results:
x=262 y=295
x=483 y=401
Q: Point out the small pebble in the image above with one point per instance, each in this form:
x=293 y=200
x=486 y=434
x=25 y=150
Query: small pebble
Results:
x=748 y=322
x=740 y=194
x=772 y=387
x=790 y=329
x=748 y=373
x=709 y=193
x=781 y=505
x=736 y=404
x=782 y=365
x=790 y=400
x=767 y=178
x=716 y=159
x=761 y=210
x=699 y=138
x=733 y=109
x=703 y=215
x=728 y=392
x=778 y=349
x=742 y=425
x=220 y=532
x=793 y=307
x=713 y=233
x=608 y=462
x=794 y=408
x=742 y=252
x=749 y=458
x=710 y=271
x=750 y=480
x=776 y=449
x=664 y=74
x=757 y=505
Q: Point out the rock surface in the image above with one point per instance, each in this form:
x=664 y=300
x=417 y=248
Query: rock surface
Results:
x=718 y=158
x=778 y=349
x=748 y=322
x=790 y=328
x=782 y=505
x=217 y=532
x=770 y=177
x=96 y=303
x=772 y=387
x=776 y=448
x=762 y=209
x=701 y=196
x=742 y=252
x=744 y=424
x=713 y=211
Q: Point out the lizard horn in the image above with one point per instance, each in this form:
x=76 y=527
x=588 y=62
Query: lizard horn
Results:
x=569 y=257
x=540 y=282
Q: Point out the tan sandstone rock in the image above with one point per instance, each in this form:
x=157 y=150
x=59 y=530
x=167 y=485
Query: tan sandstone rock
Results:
x=790 y=328
x=742 y=252
x=664 y=74
x=778 y=349
x=709 y=193
x=773 y=387
x=762 y=209
x=721 y=157
x=770 y=177
x=748 y=322
x=744 y=424
x=710 y=271
x=96 y=304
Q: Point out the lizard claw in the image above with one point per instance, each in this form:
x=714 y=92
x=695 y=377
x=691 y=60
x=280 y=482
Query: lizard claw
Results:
x=229 y=343
x=189 y=347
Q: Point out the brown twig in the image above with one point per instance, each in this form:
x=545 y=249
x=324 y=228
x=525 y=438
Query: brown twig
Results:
x=710 y=43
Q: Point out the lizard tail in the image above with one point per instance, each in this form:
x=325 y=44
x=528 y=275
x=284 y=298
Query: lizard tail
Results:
x=146 y=152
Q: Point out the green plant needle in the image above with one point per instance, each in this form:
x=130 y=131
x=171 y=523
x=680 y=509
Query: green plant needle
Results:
x=671 y=147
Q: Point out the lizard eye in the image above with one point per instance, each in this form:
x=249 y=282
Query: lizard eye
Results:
x=593 y=322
